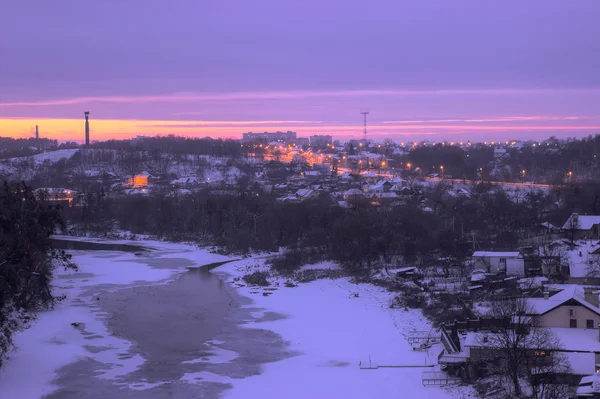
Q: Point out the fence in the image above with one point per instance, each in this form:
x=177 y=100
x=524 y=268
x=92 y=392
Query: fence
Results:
x=438 y=378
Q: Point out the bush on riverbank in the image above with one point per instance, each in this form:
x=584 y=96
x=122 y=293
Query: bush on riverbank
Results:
x=257 y=278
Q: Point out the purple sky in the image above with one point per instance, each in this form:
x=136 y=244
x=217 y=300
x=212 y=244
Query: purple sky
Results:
x=307 y=65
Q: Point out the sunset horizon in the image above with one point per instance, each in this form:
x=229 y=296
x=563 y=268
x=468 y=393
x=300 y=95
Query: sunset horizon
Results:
x=462 y=71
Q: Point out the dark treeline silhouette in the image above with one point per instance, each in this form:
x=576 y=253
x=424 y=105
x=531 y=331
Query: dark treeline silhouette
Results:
x=10 y=147
x=360 y=237
x=177 y=145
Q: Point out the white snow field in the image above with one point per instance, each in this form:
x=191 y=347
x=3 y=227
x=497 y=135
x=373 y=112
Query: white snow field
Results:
x=334 y=330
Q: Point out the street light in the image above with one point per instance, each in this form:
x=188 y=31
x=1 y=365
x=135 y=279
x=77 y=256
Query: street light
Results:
x=408 y=165
x=442 y=168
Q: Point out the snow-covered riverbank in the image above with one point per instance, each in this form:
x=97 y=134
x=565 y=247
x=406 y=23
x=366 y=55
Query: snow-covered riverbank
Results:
x=334 y=325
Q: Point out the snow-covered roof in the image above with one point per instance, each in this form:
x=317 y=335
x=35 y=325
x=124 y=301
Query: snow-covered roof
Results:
x=589 y=385
x=548 y=225
x=585 y=222
x=287 y=198
x=386 y=195
x=304 y=192
x=353 y=191
x=381 y=183
x=571 y=339
x=540 y=306
x=312 y=173
x=183 y=180
x=580 y=363
x=493 y=254
x=577 y=339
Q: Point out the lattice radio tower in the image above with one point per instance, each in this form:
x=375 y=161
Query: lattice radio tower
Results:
x=364 y=113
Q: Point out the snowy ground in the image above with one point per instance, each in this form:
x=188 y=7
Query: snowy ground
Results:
x=52 y=156
x=335 y=325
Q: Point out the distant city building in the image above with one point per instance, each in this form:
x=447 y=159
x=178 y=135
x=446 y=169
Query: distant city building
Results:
x=320 y=140
x=281 y=137
x=301 y=141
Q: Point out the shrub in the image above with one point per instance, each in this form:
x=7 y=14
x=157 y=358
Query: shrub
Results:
x=288 y=263
x=257 y=278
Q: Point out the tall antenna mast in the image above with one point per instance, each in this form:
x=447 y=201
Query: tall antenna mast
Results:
x=364 y=113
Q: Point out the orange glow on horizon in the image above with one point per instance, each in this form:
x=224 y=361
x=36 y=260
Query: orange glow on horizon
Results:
x=106 y=129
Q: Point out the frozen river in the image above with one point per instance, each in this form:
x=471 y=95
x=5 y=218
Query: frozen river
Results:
x=139 y=325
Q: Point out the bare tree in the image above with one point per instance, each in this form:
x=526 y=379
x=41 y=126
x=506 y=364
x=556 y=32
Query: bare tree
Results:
x=554 y=259
x=572 y=228
x=593 y=266
x=130 y=163
x=161 y=162
x=522 y=355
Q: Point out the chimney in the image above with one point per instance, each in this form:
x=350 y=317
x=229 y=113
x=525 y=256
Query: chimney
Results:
x=37 y=132
x=87 y=128
x=546 y=295
x=591 y=296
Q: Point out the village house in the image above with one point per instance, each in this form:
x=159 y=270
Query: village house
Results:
x=572 y=307
x=139 y=180
x=353 y=194
x=382 y=186
x=305 y=194
x=56 y=196
x=568 y=315
x=579 y=227
x=384 y=198
x=511 y=263
x=589 y=387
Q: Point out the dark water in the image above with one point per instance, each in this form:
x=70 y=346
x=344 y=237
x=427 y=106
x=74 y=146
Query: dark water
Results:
x=77 y=245
x=169 y=324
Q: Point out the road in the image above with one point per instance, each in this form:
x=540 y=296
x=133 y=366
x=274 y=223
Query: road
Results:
x=459 y=181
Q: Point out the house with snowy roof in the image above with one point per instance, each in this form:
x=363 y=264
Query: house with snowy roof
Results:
x=384 y=198
x=589 y=387
x=580 y=227
x=572 y=307
x=511 y=263
x=305 y=194
x=382 y=186
x=353 y=194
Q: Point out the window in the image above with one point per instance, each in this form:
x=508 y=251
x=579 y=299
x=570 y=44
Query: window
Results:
x=571 y=312
x=573 y=323
x=589 y=324
x=503 y=261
